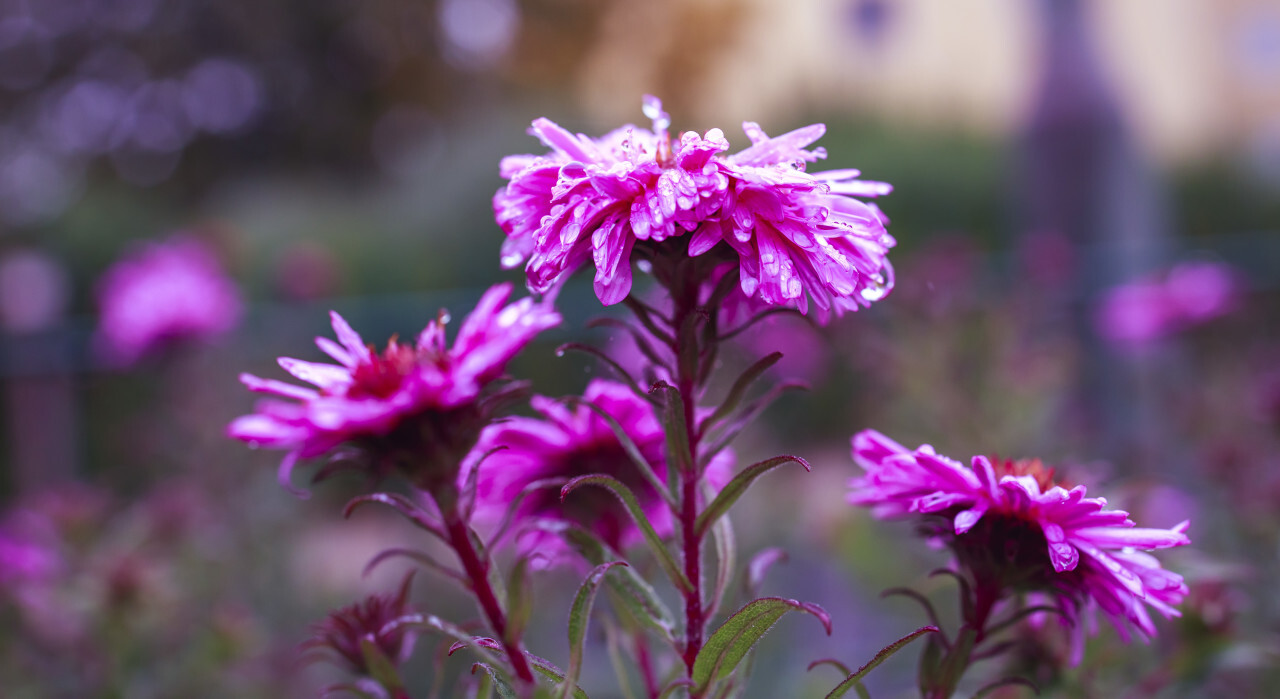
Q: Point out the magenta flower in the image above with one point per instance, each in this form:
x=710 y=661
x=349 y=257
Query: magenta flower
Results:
x=164 y=291
x=409 y=405
x=795 y=236
x=1014 y=529
x=1143 y=311
x=372 y=620
x=565 y=443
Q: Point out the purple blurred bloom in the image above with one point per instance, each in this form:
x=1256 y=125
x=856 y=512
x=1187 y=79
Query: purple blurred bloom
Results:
x=24 y=560
x=372 y=620
x=565 y=443
x=1013 y=528
x=428 y=389
x=164 y=291
x=1146 y=310
x=797 y=236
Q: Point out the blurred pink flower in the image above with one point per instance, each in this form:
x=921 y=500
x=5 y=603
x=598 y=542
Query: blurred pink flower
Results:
x=163 y=291
x=797 y=236
x=565 y=443
x=406 y=405
x=1013 y=528
x=25 y=560
x=344 y=629
x=1146 y=310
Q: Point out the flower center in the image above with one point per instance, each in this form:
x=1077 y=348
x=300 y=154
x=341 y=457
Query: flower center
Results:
x=1045 y=476
x=382 y=376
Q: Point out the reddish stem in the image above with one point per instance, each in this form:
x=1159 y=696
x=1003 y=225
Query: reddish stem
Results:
x=477 y=570
x=651 y=688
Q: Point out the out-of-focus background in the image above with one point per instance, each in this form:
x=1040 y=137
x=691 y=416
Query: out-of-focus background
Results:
x=1087 y=209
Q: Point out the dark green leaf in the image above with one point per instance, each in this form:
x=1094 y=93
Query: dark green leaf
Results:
x=579 y=617
x=740 y=632
x=675 y=427
x=738 y=390
x=629 y=446
x=629 y=501
x=547 y=669
x=519 y=598
x=421 y=557
x=639 y=598
x=726 y=560
x=406 y=507
x=746 y=416
x=736 y=487
x=499 y=683
x=855 y=679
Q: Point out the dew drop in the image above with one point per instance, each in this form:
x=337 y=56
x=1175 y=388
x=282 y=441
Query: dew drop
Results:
x=876 y=289
x=644 y=266
x=512 y=259
x=560 y=351
x=652 y=107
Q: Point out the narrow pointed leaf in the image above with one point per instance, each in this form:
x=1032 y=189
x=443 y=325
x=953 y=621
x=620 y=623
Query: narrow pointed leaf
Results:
x=746 y=416
x=509 y=518
x=519 y=598
x=957 y=660
x=730 y=643
x=468 y=493
x=726 y=560
x=406 y=507
x=579 y=618
x=645 y=314
x=548 y=669
x=629 y=446
x=679 y=452
x=730 y=334
x=736 y=487
x=855 y=679
x=642 y=342
x=430 y=622
x=629 y=501
x=499 y=683
x=421 y=557
x=923 y=602
x=738 y=390
x=636 y=594
x=623 y=375
x=844 y=669
x=614 y=646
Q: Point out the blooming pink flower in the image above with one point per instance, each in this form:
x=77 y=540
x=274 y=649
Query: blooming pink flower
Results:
x=1146 y=310
x=408 y=403
x=1012 y=526
x=164 y=291
x=565 y=443
x=797 y=235
x=344 y=629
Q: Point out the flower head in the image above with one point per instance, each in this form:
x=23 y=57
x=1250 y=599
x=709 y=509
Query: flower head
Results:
x=795 y=236
x=371 y=620
x=1013 y=527
x=164 y=291
x=1191 y=294
x=408 y=404
x=565 y=443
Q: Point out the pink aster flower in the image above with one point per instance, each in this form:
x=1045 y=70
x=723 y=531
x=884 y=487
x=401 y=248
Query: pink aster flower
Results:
x=796 y=236
x=371 y=620
x=565 y=443
x=1143 y=311
x=414 y=406
x=164 y=291
x=1013 y=528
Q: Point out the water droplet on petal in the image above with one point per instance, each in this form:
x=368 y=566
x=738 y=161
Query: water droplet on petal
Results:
x=644 y=266
x=652 y=107
x=512 y=259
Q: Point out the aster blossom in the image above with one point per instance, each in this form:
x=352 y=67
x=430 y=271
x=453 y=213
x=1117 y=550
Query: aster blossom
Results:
x=372 y=620
x=565 y=442
x=795 y=236
x=414 y=403
x=169 y=290
x=1013 y=528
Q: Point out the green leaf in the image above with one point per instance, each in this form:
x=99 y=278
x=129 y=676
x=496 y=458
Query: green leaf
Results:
x=629 y=446
x=747 y=415
x=629 y=501
x=736 y=487
x=854 y=680
x=679 y=453
x=641 y=340
x=548 y=669
x=519 y=598
x=740 y=632
x=462 y=639
x=579 y=617
x=726 y=560
x=421 y=557
x=641 y=601
x=499 y=683
x=406 y=507
x=957 y=660
x=738 y=390
x=380 y=667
